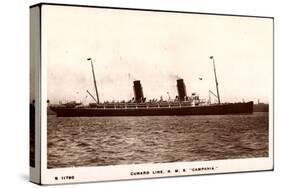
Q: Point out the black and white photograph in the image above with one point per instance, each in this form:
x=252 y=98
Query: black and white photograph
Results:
x=123 y=87
x=130 y=87
x=133 y=93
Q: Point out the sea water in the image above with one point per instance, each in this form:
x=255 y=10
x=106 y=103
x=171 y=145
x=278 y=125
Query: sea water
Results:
x=99 y=141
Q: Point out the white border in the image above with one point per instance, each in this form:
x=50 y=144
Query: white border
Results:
x=119 y=172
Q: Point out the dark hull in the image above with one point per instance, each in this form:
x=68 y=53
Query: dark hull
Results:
x=231 y=108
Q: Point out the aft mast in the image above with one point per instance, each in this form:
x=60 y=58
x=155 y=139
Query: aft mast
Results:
x=97 y=93
x=216 y=80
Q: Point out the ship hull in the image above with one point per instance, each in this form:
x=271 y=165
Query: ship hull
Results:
x=231 y=108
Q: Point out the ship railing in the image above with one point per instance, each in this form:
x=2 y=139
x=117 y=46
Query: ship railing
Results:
x=164 y=104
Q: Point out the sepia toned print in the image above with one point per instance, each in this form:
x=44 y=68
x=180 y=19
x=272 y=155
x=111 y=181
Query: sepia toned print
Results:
x=138 y=87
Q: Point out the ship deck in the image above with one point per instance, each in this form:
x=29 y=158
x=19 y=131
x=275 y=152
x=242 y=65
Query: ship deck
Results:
x=138 y=110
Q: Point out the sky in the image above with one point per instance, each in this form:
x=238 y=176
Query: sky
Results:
x=156 y=48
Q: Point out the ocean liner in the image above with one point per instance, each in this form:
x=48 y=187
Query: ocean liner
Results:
x=139 y=106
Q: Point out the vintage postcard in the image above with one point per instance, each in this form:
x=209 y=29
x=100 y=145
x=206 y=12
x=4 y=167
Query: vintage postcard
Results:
x=121 y=93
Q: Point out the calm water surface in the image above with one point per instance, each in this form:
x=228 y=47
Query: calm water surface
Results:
x=98 y=141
